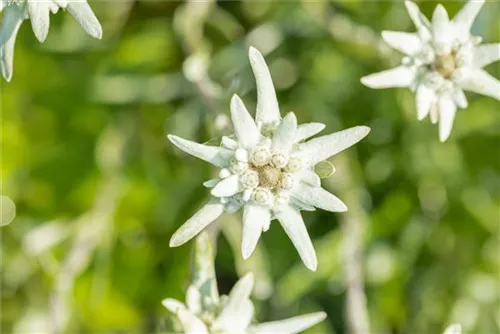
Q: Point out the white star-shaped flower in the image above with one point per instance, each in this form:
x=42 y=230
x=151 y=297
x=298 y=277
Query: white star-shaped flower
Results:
x=38 y=12
x=267 y=169
x=205 y=312
x=442 y=60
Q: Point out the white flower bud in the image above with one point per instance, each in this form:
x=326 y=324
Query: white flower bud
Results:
x=224 y=172
x=294 y=165
x=279 y=160
x=237 y=166
x=249 y=179
x=247 y=194
x=286 y=181
x=241 y=155
x=427 y=54
x=262 y=196
x=261 y=156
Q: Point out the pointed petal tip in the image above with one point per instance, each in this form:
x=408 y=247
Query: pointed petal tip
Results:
x=7 y=77
x=248 y=280
x=365 y=130
x=443 y=138
x=365 y=81
x=245 y=253
x=97 y=32
x=172 y=138
x=235 y=98
x=253 y=52
x=174 y=242
x=41 y=36
x=312 y=266
x=441 y=12
x=411 y=6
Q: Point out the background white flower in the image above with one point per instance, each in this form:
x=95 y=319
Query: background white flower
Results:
x=206 y=312
x=442 y=60
x=453 y=329
x=38 y=12
x=267 y=168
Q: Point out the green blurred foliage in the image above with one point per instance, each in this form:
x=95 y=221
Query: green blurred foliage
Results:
x=99 y=190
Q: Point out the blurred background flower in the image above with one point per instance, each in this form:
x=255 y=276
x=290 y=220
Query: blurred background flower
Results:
x=98 y=191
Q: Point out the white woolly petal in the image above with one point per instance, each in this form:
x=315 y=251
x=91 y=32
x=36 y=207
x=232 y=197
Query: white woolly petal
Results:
x=84 y=15
x=246 y=315
x=466 y=16
x=289 y=326
x=201 y=219
x=255 y=217
x=39 y=16
x=227 y=187
x=244 y=126
x=479 y=81
x=294 y=226
x=421 y=22
x=307 y=130
x=190 y=323
x=267 y=104
x=407 y=43
x=211 y=183
x=173 y=305
x=299 y=205
x=12 y=20
x=441 y=30
x=61 y=3
x=459 y=98
x=401 y=76
x=486 y=54
x=425 y=98
x=318 y=197
x=236 y=307
x=434 y=113
x=217 y=156
x=309 y=177
x=229 y=143
x=284 y=136
x=453 y=329
x=321 y=148
x=193 y=299
x=447 y=110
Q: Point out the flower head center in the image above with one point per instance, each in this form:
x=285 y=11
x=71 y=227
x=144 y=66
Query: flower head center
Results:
x=445 y=65
x=269 y=176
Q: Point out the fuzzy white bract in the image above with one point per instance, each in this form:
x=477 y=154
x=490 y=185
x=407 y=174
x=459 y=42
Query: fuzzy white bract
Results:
x=205 y=312
x=38 y=12
x=442 y=60
x=267 y=169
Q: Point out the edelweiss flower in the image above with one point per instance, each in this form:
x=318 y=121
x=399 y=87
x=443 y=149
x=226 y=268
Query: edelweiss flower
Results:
x=442 y=59
x=267 y=169
x=205 y=312
x=16 y=11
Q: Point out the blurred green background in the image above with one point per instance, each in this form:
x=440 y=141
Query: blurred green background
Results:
x=99 y=191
